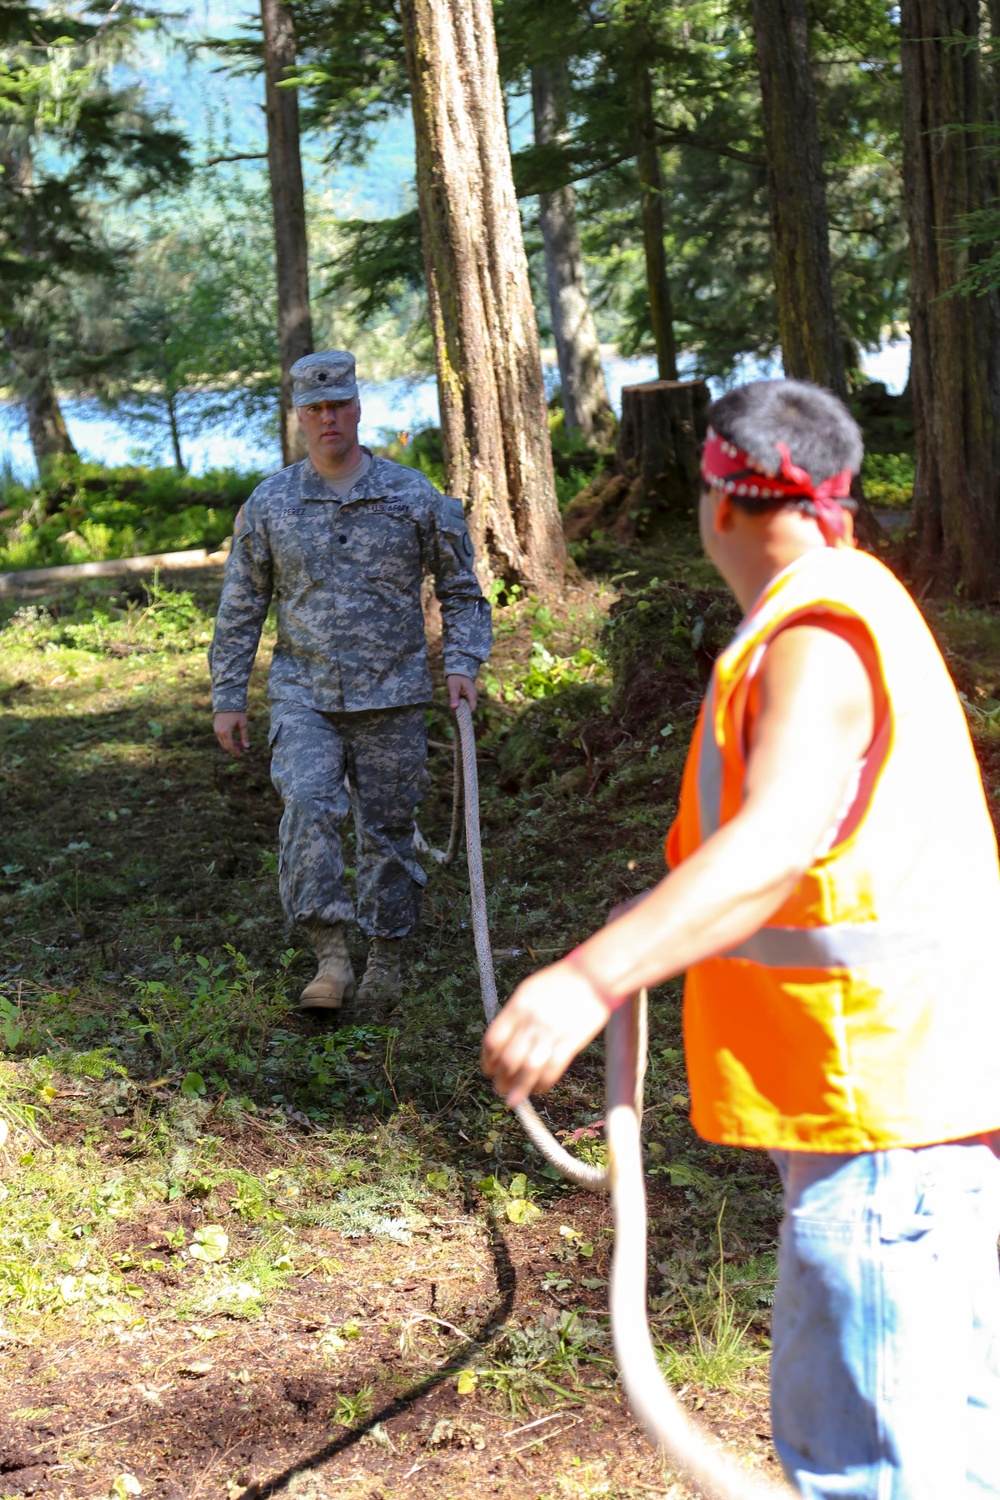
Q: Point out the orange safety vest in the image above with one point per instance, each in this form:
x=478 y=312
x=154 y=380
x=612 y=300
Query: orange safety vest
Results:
x=866 y=1013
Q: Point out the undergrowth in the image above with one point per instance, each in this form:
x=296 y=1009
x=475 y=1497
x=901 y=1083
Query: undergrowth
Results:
x=84 y=512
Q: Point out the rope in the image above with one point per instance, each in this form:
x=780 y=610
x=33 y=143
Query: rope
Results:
x=580 y=1172
x=455 y=834
x=656 y=1407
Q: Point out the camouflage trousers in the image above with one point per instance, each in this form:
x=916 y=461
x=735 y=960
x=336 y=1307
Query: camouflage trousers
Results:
x=383 y=752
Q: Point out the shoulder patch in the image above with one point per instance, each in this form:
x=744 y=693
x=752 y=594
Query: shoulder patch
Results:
x=454 y=514
x=238 y=522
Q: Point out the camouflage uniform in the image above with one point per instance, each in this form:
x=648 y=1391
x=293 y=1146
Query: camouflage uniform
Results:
x=349 y=670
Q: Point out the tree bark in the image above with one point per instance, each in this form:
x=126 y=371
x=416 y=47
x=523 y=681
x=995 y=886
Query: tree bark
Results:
x=175 y=432
x=47 y=431
x=581 y=375
x=651 y=194
x=955 y=337
x=811 y=345
x=494 y=419
x=662 y=430
x=284 y=160
x=25 y=343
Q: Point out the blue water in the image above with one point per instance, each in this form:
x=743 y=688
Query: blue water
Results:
x=386 y=409
x=390 y=407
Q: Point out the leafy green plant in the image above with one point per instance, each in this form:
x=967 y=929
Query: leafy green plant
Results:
x=515 y=1200
x=352 y=1409
x=548 y=674
x=569 y=485
x=13 y=1026
x=85 y=512
x=541 y=1361
x=215 y=1019
x=501 y=594
x=162 y=619
x=420 y=450
x=210 y=1243
x=889 y=479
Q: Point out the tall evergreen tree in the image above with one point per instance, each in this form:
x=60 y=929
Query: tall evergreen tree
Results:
x=811 y=344
x=23 y=332
x=284 y=160
x=493 y=409
x=100 y=145
x=707 y=120
x=584 y=390
x=954 y=311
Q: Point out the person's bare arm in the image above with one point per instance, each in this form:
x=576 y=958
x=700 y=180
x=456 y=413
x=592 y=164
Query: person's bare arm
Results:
x=814 y=722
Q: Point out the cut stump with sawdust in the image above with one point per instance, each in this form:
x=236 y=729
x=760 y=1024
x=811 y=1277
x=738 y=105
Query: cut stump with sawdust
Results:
x=655 y=479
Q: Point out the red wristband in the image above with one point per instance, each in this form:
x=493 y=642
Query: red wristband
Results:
x=609 y=1001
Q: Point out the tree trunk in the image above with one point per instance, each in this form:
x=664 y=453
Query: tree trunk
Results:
x=26 y=345
x=811 y=345
x=494 y=419
x=657 y=476
x=47 y=429
x=175 y=432
x=661 y=310
x=955 y=337
x=284 y=163
x=584 y=391
x=662 y=430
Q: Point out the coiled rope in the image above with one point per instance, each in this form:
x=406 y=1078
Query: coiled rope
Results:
x=657 y=1409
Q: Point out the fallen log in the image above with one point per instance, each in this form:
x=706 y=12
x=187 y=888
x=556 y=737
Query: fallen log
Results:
x=28 y=579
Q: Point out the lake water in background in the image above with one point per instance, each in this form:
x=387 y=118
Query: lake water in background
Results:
x=387 y=408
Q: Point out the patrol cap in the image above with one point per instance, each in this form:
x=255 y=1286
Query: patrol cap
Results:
x=326 y=376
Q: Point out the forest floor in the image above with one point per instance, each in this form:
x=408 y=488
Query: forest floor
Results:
x=243 y=1253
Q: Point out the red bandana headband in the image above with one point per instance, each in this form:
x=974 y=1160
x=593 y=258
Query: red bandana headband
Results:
x=728 y=468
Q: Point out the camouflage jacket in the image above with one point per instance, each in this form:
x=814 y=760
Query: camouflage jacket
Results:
x=346 y=575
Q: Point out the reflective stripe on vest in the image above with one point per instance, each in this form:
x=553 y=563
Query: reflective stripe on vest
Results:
x=843 y=945
x=709 y=771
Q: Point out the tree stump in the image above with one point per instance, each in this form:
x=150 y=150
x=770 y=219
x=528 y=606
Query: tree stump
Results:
x=656 y=476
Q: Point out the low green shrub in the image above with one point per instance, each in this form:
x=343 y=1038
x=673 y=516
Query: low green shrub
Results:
x=160 y=618
x=667 y=626
x=421 y=450
x=84 y=512
x=888 y=479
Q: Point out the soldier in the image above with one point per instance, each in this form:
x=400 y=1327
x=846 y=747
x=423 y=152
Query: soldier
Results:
x=341 y=541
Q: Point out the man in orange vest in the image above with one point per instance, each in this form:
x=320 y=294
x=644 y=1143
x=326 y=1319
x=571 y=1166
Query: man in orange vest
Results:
x=835 y=901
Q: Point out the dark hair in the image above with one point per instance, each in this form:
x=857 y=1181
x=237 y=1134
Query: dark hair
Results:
x=821 y=435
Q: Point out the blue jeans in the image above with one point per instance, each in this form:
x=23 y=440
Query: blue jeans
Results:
x=885 y=1370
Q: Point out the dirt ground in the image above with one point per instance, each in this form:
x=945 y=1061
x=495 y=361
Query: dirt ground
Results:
x=228 y=1408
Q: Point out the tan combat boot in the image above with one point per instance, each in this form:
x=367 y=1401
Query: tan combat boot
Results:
x=334 y=981
x=382 y=984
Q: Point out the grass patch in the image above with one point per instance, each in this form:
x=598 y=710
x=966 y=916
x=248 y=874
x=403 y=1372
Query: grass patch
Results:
x=722 y=1349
